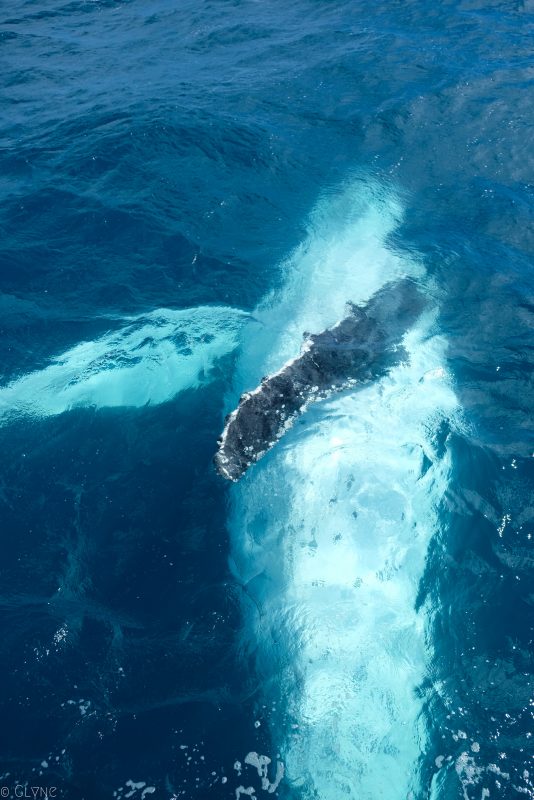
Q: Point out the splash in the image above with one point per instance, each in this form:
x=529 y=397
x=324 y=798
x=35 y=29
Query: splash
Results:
x=149 y=359
x=331 y=529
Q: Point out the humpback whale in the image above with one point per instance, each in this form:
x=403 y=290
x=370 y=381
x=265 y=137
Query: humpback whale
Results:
x=360 y=348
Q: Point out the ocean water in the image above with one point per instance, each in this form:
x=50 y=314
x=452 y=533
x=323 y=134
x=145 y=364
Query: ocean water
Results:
x=186 y=189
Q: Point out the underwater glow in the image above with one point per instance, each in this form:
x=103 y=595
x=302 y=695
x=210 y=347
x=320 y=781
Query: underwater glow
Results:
x=149 y=360
x=331 y=529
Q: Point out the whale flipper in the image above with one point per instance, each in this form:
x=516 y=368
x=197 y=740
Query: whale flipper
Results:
x=358 y=349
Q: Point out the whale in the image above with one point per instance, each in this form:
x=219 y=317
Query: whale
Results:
x=360 y=348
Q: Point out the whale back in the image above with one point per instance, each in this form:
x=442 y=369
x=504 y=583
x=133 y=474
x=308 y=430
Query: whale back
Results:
x=360 y=348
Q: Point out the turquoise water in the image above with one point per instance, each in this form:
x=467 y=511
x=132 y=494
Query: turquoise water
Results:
x=188 y=188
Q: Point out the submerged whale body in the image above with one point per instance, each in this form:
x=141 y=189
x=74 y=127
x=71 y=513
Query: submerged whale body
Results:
x=359 y=349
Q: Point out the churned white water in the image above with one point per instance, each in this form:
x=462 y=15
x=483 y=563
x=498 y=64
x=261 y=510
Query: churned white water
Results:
x=149 y=359
x=330 y=530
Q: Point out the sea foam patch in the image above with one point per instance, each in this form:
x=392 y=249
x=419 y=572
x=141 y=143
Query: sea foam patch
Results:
x=149 y=359
x=330 y=531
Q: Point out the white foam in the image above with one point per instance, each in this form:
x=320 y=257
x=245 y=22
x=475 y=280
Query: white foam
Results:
x=342 y=259
x=331 y=529
x=149 y=359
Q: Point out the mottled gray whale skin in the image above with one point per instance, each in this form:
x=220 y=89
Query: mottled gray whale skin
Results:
x=359 y=349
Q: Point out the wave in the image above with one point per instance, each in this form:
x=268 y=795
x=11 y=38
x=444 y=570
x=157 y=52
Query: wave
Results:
x=148 y=360
x=331 y=530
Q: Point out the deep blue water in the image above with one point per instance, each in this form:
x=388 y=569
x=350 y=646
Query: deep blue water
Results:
x=183 y=184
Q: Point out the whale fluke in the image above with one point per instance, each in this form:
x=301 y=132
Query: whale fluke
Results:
x=357 y=350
